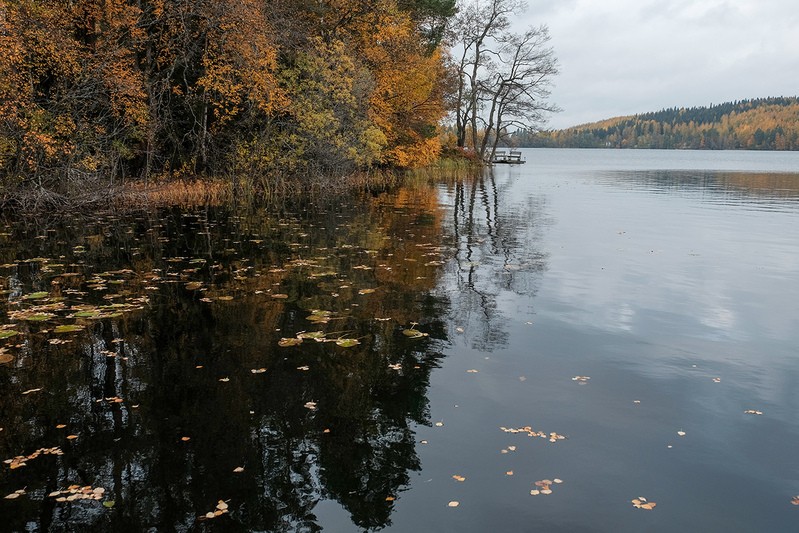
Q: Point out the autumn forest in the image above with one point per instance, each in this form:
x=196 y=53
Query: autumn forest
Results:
x=137 y=88
x=759 y=124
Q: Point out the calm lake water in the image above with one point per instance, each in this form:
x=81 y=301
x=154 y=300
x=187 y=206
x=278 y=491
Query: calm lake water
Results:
x=614 y=325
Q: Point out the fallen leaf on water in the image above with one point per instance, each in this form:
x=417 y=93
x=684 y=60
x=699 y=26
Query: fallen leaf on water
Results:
x=258 y=370
x=238 y=469
x=535 y=492
x=453 y=504
x=457 y=477
x=310 y=405
x=304 y=368
x=642 y=503
x=185 y=439
x=753 y=412
x=224 y=380
x=390 y=498
x=366 y=291
x=509 y=473
x=581 y=379
x=795 y=500
x=439 y=424
x=716 y=380
x=31 y=390
x=347 y=343
x=72 y=437
x=681 y=433
x=471 y=371
x=284 y=342
x=67 y=328
x=413 y=333
x=16 y=494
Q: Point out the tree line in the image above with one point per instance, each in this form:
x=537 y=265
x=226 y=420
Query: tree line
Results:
x=98 y=90
x=757 y=124
x=120 y=88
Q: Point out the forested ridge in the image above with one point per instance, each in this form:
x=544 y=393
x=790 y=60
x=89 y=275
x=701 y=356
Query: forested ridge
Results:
x=758 y=124
x=107 y=89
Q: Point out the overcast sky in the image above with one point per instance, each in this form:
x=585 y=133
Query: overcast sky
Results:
x=622 y=57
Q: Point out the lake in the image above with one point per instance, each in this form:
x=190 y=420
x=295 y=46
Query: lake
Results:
x=531 y=350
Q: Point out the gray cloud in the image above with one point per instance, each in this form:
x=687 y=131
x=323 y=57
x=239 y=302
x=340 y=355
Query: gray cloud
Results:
x=621 y=57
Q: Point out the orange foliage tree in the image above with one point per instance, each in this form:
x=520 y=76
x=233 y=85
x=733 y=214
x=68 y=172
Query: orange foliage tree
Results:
x=104 y=88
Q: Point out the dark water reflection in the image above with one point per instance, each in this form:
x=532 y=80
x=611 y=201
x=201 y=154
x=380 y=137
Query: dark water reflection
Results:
x=165 y=389
x=668 y=279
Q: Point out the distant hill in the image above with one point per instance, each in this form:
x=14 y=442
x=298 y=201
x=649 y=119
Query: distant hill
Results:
x=760 y=124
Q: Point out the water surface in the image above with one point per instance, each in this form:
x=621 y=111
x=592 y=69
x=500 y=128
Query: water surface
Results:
x=665 y=281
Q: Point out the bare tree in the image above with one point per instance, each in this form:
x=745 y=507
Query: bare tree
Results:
x=504 y=77
x=518 y=87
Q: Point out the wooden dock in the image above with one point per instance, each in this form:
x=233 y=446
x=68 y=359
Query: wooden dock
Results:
x=514 y=157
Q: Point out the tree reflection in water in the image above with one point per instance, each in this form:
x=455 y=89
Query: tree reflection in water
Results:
x=164 y=387
x=496 y=249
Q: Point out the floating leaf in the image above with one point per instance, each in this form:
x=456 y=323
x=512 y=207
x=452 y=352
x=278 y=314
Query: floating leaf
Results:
x=6 y=333
x=310 y=405
x=5 y=357
x=315 y=335
x=457 y=477
x=795 y=500
x=238 y=469
x=36 y=295
x=109 y=504
x=753 y=412
x=319 y=317
x=347 y=343
x=194 y=285
x=258 y=370
x=285 y=342
x=681 y=433
x=413 y=333
x=68 y=328
x=642 y=503
x=366 y=291
x=453 y=504
x=30 y=391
